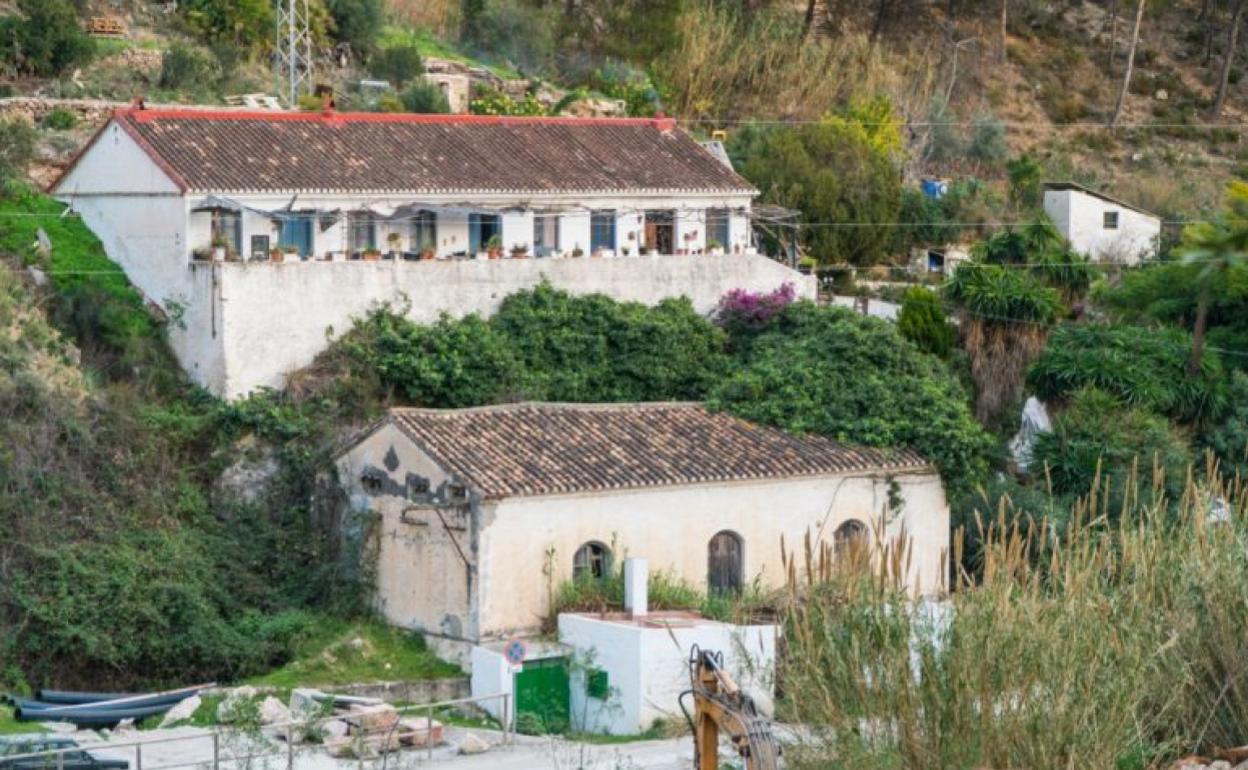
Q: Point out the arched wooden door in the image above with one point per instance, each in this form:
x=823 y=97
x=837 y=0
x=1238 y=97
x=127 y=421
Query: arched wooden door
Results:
x=724 y=557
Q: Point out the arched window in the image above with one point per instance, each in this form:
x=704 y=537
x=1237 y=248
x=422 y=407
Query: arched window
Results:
x=848 y=537
x=593 y=559
x=724 y=558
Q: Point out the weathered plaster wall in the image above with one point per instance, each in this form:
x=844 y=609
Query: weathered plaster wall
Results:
x=425 y=557
x=277 y=315
x=672 y=527
x=1080 y=217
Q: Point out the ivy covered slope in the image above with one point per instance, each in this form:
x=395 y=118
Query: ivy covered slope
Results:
x=121 y=563
x=804 y=368
x=834 y=372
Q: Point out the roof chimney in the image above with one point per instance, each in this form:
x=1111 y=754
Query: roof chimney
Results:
x=636 y=578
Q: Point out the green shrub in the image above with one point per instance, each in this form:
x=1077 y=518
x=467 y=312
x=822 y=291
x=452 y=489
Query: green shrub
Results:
x=1228 y=438
x=1096 y=436
x=243 y=24
x=592 y=348
x=46 y=39
x=489 y=101
x=1025 y=176
x=1143 y=367
x=60 y=119
x=357 y=23
x=425 y=98
x=397 y=64
x=987 y=143
x=922 y=320
x=17 y=148
x=186 y=66
x=840 y=169
x=855 y=379
x=452 y=363
x=520 y=33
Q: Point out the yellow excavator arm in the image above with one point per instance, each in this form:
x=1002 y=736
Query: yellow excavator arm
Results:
x=719 y=706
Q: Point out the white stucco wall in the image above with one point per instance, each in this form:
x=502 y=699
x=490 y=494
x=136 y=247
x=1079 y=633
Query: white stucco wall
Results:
x=672 y=527
x=275 y=316
x=115 y=164
x=492 y=675
x=647 y=667
x=1079 y=217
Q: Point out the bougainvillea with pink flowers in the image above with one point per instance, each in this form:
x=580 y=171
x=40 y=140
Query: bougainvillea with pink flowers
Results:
x=742 y=309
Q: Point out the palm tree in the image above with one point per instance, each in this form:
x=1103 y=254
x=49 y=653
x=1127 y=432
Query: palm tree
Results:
x=1006 y=315
x=1215 y=246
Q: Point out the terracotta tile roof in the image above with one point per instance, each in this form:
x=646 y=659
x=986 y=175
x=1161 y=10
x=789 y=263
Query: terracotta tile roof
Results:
x=249 y=151
x=537 y=449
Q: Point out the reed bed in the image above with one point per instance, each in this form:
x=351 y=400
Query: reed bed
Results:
x=1117 y=642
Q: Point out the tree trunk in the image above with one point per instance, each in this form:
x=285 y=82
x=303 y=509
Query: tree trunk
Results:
x=1126 y=77
x=1198 y=330
x=1211 y=24
x=1005 y=10
x=1232 y=39
x=1113 y=36
x=809 y=22
x=881 y=11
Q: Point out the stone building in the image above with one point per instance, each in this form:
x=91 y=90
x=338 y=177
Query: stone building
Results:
x=484 y=511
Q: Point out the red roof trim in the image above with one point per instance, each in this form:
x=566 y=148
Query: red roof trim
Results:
x=149 y=115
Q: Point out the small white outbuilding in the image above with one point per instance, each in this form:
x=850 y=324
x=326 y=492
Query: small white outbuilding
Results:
x=1101 y=227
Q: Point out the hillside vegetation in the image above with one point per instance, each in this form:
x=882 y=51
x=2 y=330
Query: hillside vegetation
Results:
x=970 y=97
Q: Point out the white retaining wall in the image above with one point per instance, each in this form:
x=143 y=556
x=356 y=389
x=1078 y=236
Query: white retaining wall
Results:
x=268 y=319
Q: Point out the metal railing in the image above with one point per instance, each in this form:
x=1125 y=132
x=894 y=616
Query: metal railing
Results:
x=55 y=758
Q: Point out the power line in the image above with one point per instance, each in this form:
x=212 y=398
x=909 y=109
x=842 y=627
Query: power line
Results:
x=687 y=217
x=962 y=123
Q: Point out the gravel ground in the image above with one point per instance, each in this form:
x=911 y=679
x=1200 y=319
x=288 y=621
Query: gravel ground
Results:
x=192 y=747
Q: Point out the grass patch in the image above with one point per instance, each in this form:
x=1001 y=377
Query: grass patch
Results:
x=10 y=726
x=430 y=46
x=655 y=732
x=345 y=653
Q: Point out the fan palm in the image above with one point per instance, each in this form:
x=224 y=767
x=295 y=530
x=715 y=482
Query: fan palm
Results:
x=1215 y=246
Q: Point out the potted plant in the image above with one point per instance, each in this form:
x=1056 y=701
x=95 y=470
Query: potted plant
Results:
x=289 y=251
x=427 y=253
x=520 y=251
x=372 y=255
x=806 y=265
x=494 y=247
x=394 y=239
x=714 y=248
x=220 y=248
x=577 y=251
x=327 y=256
x=625 y=250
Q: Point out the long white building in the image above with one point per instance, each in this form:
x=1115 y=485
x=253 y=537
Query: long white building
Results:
x=263 y=234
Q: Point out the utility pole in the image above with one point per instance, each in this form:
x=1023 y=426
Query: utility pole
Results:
x=292 y=57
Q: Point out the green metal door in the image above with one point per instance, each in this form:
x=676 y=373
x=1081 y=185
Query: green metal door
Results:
x=542 y=694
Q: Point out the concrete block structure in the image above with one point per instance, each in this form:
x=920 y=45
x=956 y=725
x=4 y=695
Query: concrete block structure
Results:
x=1100 y=227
